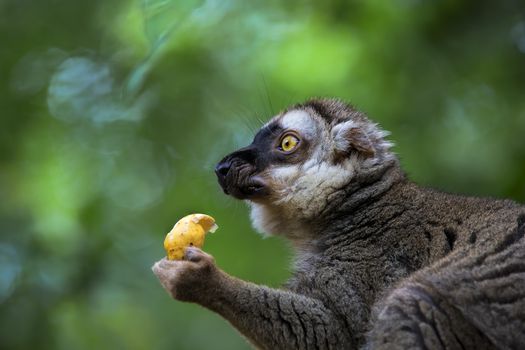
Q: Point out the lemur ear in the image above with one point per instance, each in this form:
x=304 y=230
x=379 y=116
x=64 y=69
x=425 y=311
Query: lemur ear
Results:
x=348 y=136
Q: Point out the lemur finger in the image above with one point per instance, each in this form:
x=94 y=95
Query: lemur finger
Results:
x=196 y=255
x=160 y=272
x=169 y=264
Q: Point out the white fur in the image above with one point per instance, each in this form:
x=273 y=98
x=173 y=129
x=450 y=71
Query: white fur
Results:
x=300 y=195
x=310 y=185
x=301 y=121
x=338 y=132
x=371 y=130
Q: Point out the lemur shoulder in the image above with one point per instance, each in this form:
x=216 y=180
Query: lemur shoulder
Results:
x=380 y=262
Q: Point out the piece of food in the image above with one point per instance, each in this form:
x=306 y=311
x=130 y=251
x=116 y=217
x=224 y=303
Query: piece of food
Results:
x=188 y=231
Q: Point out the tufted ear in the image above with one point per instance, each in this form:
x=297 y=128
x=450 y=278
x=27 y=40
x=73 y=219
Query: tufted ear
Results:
x=348 y=136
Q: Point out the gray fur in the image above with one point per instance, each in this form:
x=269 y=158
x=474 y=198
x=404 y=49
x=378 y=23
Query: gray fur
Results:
x=382 y=264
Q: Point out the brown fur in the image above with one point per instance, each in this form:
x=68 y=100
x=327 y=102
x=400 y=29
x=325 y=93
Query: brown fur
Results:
x=384 y=264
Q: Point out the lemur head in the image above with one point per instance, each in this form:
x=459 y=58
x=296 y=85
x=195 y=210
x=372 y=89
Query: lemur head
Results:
x=300 y=160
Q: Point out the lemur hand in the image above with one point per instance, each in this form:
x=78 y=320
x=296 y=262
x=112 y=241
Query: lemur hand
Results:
x=189 y=279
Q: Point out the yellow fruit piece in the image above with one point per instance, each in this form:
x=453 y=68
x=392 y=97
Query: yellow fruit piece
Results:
x=188 y=231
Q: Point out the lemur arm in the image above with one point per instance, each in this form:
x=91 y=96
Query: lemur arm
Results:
x=276 y=319
x=269 y=318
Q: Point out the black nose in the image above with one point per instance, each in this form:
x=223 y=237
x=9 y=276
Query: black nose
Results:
x=222 y=169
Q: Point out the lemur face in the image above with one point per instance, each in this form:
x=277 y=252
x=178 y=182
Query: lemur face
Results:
x=285 y=142
x=301 y=157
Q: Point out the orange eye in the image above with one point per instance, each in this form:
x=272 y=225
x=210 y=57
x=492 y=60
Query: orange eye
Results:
x=289 y=143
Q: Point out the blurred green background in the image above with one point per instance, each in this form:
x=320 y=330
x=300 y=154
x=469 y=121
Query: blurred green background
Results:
x=113 y=114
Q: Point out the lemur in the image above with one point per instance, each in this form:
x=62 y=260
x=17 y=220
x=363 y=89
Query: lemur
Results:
x=380 y=262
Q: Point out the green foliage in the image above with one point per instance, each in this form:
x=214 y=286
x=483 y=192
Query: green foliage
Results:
x=113 y=115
